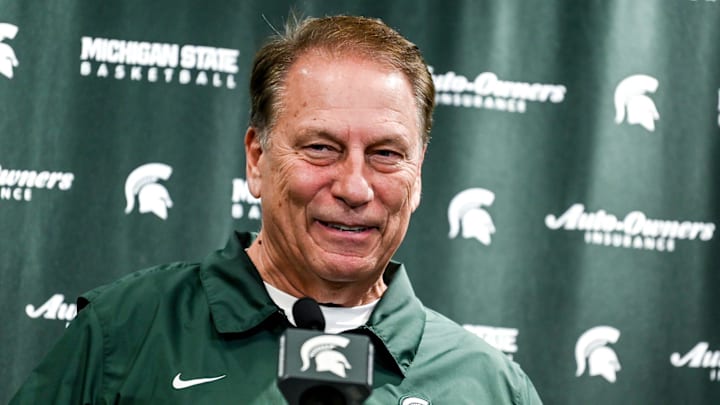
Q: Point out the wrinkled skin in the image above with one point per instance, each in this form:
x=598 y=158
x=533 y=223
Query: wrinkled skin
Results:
x=339 y=180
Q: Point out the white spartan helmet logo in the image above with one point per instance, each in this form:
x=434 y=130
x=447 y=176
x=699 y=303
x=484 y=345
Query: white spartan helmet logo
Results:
x=591 y=350
x=152 y=197
x=630 y=97
x=465 y=209
x=8 y=60
x=321 y=348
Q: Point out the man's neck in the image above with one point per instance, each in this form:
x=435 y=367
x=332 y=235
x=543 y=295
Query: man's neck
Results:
x=337 y=319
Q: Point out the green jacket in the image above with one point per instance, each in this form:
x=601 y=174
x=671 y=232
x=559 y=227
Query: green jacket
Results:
x=134 y=337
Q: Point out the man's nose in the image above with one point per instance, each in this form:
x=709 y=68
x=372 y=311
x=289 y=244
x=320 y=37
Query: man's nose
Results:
x=351 y=182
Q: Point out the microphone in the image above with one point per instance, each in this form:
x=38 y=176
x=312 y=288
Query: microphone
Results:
x=316 y=368
x=308 y=315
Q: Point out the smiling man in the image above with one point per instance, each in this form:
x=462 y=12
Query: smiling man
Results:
x=341 y=114
x=338 y=177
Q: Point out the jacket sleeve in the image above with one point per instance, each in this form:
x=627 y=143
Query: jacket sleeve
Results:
x=528 y=394
x=72 y=372
x=525 y=392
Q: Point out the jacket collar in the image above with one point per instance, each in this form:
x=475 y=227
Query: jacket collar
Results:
x=237 y=298
x=239 y=302
x=398 y=321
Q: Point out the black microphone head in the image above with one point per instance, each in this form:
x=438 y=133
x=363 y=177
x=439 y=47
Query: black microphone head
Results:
x=308 y=315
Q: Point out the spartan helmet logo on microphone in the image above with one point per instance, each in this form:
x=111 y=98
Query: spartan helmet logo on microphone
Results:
x=591 y=350
x=630 y=97
x=153 y=197
x=8 y=60
x=322 y=349
x=466 y=209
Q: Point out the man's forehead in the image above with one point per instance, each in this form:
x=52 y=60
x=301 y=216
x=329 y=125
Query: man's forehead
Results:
x=328 y=57
x=322 y=61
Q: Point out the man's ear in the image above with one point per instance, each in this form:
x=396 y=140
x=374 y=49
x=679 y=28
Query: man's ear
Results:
x=417 y=187
x=253 y=156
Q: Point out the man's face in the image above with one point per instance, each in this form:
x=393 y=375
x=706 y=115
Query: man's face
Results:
x=341 y=175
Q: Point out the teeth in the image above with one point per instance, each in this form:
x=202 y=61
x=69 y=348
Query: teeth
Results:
x=347 y=228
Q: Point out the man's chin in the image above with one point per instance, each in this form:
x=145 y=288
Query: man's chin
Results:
x=348 y=270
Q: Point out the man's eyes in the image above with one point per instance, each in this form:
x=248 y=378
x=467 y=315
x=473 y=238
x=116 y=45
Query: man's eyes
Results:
x=388 y=153
x=386 y=158
x=320 y=150
x=379 y=156
x=319 y=147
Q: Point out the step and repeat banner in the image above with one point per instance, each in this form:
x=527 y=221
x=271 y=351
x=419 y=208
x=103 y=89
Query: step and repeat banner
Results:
x=570 y=203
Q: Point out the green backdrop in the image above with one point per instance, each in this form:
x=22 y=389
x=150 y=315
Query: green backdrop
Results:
x=569 y=209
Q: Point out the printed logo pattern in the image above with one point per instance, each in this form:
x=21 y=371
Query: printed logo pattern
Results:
x=503 y=339
x=152 y=197
x=636 y=230
x=243 y=203
x=322 y=349
x=593 y=354
x=8 y=59
x=632 y=103
x=179 y=384
x=413 y=400
x=488 y=91
x=158 y=62
x=19 y=185
x=465 y=211
x=699 y=356
x=54 y=308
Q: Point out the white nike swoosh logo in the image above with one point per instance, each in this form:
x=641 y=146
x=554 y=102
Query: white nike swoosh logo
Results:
x=179 y=384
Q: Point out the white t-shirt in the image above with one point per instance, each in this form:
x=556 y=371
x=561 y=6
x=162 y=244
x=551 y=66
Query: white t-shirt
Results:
x=337 y=319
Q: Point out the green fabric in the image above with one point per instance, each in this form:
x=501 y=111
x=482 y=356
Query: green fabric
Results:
x=132 y=337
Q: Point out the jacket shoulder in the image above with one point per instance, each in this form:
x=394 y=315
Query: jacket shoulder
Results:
x=141 y=288
x=471 y=362
x=438 y=328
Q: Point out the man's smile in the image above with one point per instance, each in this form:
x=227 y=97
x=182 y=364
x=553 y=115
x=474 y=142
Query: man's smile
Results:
x=346 y=228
